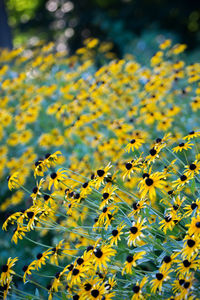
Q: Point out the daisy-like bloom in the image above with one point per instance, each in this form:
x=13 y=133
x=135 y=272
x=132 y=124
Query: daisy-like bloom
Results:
x=107 y=214
x=31 y=215
x=137 y=206
x=191 y=135
x=56 y=252
x=14 y=181
x=191 y=246
x=184 y=267
x=110 y=283
x=28 y=269
x=131 y=262
x=116 y=234
x=78 y=273
x=193 y=169
x=137 y=289
x=19 y=233
x=108 y=195
x=150 y=183
x=56 y=283
x=101 y=174
x=36 y=190
x=40 y=168
x=194 y=226
x=135 y=143
x=51 y=159
x=167 y=262
x=183 y=146
x=41 y=258
x=171 y=168
x=4 y=289
x=102 y=256
x=194 y=207
x=173 y=207
x=130 y=167
x=168 y=223
x=6 y=271
x=97 y=292
x=86 y=189
x=11 y=219
x=55 y=178
x=158 y=281
x=153 y=153
x=181 y=181
x=135 y=232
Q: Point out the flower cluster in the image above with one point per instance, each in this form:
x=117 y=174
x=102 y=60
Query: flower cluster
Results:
x=115 y=213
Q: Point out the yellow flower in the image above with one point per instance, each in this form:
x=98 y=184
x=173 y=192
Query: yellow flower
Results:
x=116 y=234
x=158 y=281
x=135 y=232
x=183 y=146
x=149 y=183
x=102 y=256
x=137 y=289
x=131 y=262
x=55 y=178
x=6 y=271
x=14 y=181
x=134 y=144
x=101 y=174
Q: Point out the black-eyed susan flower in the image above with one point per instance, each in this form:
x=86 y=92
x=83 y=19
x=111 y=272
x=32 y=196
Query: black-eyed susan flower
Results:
x=116 y=234
x=191 y=246
x=41 y=258
x=183 y=146
x=149 y=184
x=40 y=168
x=14 y=181
x=169 y=222
x=131 y=261
x=4 y=289
x=135 y=143
x=167 y=262
x=102 y=256
x=194 y=207
x=51 y=159
x=191 y=135
x=36 y=190
x=186 y=265
x=101 y=174
x=97 y=292
x=135 y=232
x=28 y=270
x=181 y=181
x=56 y=252
x=86 y=189
x=137 y=289
x=31 y=216
x=108 y=195
x=137 y=206
x=55 y=178
x=194 y=226
x=19 y=233
x=157 y=283
x=130 y=167
x=7 y=271
x=192 y=169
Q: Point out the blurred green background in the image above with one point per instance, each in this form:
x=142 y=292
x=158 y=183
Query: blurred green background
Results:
x=69 y=22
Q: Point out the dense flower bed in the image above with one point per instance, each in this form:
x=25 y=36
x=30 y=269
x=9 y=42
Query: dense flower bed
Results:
x=102 y=165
